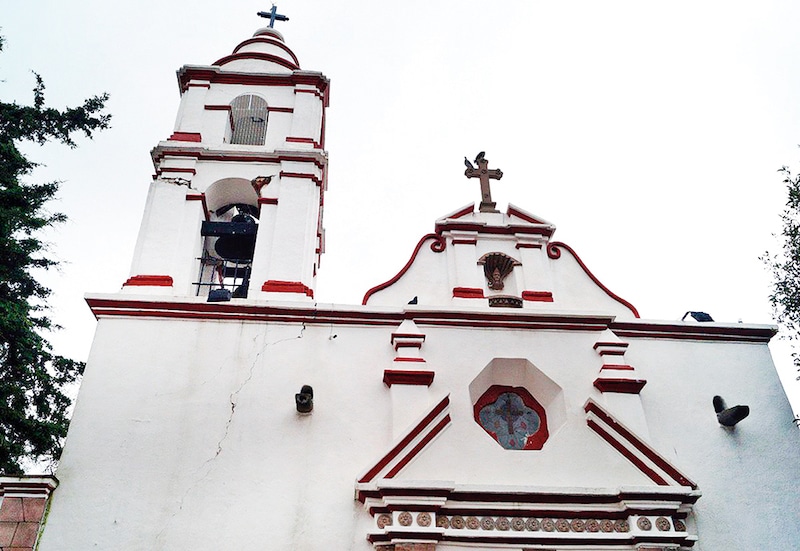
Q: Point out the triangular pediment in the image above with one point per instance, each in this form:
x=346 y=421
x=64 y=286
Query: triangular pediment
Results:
x=595 y=483
x=596 y=450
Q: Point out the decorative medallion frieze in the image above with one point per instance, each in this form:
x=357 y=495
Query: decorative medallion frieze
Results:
x=405 y=519
x=662 y=523
x=596 y=519
x=424 y=520
x=576 y=525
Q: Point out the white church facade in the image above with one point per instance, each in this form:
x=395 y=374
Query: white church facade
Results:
x=493 y=395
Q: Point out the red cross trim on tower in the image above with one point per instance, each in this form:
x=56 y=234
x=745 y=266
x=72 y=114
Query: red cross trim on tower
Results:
x=484 y=174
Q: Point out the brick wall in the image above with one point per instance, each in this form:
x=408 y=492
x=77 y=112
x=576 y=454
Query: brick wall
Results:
x=24 y=501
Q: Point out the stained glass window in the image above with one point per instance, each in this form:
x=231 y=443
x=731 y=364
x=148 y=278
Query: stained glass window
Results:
x=512 y=417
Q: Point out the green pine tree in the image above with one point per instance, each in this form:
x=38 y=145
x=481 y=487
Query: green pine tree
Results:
x=33 y=405
x=785 y=266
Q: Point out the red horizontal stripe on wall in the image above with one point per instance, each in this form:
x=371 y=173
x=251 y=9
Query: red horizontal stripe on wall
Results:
x=149 y=280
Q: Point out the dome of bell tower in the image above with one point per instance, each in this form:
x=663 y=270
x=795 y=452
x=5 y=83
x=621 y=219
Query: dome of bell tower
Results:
x=266 y=51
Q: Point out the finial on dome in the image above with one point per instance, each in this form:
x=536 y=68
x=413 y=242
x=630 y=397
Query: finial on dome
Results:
x=273 y=16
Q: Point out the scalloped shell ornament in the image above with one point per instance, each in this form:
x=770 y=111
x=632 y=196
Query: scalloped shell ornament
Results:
x=496 y=267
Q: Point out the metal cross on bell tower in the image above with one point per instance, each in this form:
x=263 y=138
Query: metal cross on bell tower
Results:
x=484 y=174
x=273 y=16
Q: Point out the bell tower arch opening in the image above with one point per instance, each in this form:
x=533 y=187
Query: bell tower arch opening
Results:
x=229 y=239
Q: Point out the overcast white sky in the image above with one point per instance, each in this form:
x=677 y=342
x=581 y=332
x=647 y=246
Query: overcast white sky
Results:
x=650 y=133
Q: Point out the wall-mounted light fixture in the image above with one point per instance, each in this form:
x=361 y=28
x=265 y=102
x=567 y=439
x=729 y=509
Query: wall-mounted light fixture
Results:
x=304 y=400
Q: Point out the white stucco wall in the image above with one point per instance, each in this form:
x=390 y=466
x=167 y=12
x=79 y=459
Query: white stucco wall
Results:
x=157 y=457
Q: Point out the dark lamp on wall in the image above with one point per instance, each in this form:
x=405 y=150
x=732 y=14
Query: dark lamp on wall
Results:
x=728 y=417
x=304 y=400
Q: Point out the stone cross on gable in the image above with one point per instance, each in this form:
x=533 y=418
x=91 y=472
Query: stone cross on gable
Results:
x=484 y=174
x=273 y=16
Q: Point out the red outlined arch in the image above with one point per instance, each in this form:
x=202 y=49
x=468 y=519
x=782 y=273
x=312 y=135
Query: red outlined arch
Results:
x=265 y=40
x=256 y=55
x=439 y=244
x=554 y=253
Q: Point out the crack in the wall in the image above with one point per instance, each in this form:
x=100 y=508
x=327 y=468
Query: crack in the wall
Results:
x=233 y=400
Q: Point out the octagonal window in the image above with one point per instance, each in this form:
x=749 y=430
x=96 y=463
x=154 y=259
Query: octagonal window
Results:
x=517 y=404
x=512 y=417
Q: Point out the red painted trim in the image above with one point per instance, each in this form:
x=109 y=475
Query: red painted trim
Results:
x=541 y=512
x=618 y=344
x=202 y=198
x=400 y=377
x=416 y=449
x=612 y=352
x=383 y=319
x=267 y=200
x=404 y=536
x=554 y=253
x=217 y=107
x=149 y=281
x=198 y=85
x=469 y=209
x=259 y=56
x=672 y=495
x=418 y=336
x=535 y=441
x=623 y=386
x=217 y=75
x=205 y=155
x=654 y=476
x=399 y=345
x=437 y=246
x=522 y=319
x=299 y=175
x=265 y=40
x=621 y=367
x=407 y=359
x=519 y=214
x=185 y=137
x=274 y=286
x=699 y=331
x=295 y=139
x=322 y=122
x=464 y=241
x=467 y=292
x=554 y=540
x=537 y=296
x=648 y=452
x=406 y=440
x=280 y=109
x=306 y=91
x=240 y=312
x=448 y=225
x=161 y=171
x=528 y=246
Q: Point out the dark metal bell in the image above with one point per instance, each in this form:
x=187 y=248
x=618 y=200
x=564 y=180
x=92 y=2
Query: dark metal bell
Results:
x=237 y=238
x=236 y=247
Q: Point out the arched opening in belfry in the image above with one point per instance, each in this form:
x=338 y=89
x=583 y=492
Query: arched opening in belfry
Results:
x=229 y=238
x=248 y=120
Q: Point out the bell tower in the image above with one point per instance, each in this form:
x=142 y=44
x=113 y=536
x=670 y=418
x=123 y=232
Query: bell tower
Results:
x=235 y=207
